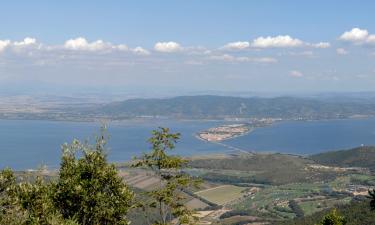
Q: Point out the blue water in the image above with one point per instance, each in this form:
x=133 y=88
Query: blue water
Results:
x=27 y=144
x=308 y=137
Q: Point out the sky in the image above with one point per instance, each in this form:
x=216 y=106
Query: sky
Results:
x=195 y=45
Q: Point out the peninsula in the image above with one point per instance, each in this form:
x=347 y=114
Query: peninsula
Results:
x=225 y=132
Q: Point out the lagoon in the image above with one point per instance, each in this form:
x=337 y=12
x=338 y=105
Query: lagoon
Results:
x=26 y=144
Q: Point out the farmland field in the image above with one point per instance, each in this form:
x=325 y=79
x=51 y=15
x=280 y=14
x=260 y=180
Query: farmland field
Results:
x=222 y=194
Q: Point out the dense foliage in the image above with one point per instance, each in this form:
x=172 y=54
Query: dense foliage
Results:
x=88 y=188
x=355 y=213
x=356 y=157
x=167 y=197
x=87 y=191
x=333 y=218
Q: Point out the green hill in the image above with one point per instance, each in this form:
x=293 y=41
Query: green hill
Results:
x=274 y=169
x=356 y=157
x=355 y=213
x=208 y=106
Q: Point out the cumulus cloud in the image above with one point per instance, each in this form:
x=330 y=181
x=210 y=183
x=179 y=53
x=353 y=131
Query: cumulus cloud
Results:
x=296 y=73
x=285 y=41
x=140 y=51
x=276 y=42
x=371 y=39
x=122 y=47
x=239 y=45
x=358 y=36
x=167 y=47
x=18 y=45
x=82 y=44
x=4 y=44
x=27 y=41
x=341 y=51
x=354 y=35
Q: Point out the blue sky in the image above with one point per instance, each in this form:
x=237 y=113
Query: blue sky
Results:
x=268 y=46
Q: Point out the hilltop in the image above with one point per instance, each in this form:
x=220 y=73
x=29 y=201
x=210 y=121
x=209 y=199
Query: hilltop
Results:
x=356 y=157
x=209 y=106
x=89 y=108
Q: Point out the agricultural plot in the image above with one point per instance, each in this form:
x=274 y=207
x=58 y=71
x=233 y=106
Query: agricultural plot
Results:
x=310 y=207
x=196 y=204
x=222 y=194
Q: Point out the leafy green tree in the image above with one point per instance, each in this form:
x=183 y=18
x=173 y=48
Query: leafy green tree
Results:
x=167 y=197
x=333 y=218
x=27 y=202
x=10 y=212
x=372 y=198
x=89 y=189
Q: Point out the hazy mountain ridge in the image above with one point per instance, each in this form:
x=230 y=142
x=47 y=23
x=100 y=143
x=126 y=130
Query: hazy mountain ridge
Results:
x=208 y=106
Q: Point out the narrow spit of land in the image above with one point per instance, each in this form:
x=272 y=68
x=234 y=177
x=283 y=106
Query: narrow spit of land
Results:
x=225 y=132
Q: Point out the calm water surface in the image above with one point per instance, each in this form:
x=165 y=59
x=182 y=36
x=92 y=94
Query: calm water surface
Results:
x=309 y=137
x=27 y=144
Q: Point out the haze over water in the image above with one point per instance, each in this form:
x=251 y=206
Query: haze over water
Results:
x=27 y=144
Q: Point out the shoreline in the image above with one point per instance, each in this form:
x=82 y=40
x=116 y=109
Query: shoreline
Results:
x=231 y=131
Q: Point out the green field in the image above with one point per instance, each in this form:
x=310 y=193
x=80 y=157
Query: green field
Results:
x=222 y=194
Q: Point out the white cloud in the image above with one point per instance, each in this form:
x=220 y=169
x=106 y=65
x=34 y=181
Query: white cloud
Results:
x=239 y=45
x=167 y=47
x=140 y=51
x=224 y=57
x=358 y=36
x=371 y=39
x=303 y=53
x=285 y=41
x=27 y=41
x=341 y=51
x=17 y=45
x=257 y=59
x=276 y=42
x=4 y=44
x=296 y=73
x=354 y=35
x=82 y=44
x=322 y=45
x=122 y=47
x=230 y=58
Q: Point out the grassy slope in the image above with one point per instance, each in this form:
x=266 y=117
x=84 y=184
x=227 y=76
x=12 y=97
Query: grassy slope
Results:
x=268 y=168
x=356 y=213
x=222 y=194
x=357 y=157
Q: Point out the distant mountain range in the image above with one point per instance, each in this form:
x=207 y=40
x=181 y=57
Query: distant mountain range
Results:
x=216 y=107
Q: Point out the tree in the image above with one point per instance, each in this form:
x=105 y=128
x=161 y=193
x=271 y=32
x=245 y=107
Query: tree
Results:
x=168 y=196
x=88 y=189
x=372 y=198
x=10 y=212
x=27 y=202
x=333 y=218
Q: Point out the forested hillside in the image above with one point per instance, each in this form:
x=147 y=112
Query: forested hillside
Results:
x=208 y=106
x=356 y=157
x=355 y=213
